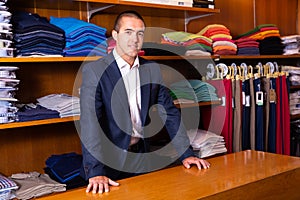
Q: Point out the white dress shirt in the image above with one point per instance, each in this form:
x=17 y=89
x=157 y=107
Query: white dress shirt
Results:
x=131 y=80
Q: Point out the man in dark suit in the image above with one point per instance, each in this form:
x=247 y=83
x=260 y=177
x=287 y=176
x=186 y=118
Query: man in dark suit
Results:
x=116 y=95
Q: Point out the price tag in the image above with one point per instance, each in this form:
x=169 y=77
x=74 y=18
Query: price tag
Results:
x=259 y=98
x=272 y=96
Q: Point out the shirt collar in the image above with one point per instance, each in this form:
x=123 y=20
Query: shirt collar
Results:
x=122 y=63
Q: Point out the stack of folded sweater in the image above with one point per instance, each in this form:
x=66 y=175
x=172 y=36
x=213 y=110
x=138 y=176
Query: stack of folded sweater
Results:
x=206 y=143
x=34 y=184
x=195 y=44
x=65 y=168
x=221 y=37
x=247 y=46
x=156 y=49
x=82 y=38
x=268 y=37
x=291 y=44
x=35 y=36
x=31 y=111
x=195 y=90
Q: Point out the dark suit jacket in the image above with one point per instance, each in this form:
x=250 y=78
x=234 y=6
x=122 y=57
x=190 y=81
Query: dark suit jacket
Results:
x=105 y=123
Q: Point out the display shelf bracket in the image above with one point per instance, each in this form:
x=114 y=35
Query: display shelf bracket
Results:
x=91 y=10
x=187 y=18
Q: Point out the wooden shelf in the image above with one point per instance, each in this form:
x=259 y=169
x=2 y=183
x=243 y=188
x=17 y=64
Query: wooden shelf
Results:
x=198 y=104
x=47 y=59
x=75 y=118
x=38 y=122
x=93 y=58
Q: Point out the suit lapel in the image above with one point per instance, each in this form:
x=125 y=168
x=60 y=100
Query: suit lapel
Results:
x=145 y=91
x=118 y=86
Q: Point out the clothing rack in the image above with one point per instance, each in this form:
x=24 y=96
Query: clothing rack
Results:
x=255 y=110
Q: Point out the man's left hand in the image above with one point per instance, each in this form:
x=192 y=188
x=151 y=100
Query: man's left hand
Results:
x=201 y=163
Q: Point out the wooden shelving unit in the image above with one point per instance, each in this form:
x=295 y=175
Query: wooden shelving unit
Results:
x=93 y=58
x=38 y=122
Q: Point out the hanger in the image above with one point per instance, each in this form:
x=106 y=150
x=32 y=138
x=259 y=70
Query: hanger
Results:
x=211 y=71
x=238 y=76
x=230 y=70
x=250 y=72
x=245 y=71
x=217 y=73
x=223 y=68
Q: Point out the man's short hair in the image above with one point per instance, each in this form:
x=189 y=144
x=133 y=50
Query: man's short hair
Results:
x=128 y=13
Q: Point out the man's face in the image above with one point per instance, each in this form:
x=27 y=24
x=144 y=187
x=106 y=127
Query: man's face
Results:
x=129 y=39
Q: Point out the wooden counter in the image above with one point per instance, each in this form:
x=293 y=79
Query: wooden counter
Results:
x=244 y=175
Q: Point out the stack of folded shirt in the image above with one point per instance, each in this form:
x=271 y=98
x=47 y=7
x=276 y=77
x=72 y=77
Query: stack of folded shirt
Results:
x=65 y=168
x=206 y=143
x=295 y=138
x=204 y=4
x=221 y=37
x=268 y=37
x=156 y=49
x=195 y=90
x=82 y=38
x=291 y=44
x=65 y=104
x=8 y=83
x=7 y=186
x=194 y=44
x=295 y=103
x=30 y=112
x=34 y=184
x=35 y=36
x=6 y=34
x=294 y=74
x=247 y=46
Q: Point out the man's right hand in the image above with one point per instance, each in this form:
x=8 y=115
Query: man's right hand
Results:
x=100 y=184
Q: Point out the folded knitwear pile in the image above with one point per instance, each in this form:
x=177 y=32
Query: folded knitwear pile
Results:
x=65 y=168
x=82 y=38
x=221 y=37
x=195 y=90
x=194 y=43
x=269 y=39
x=34 y=184
x=35 y=36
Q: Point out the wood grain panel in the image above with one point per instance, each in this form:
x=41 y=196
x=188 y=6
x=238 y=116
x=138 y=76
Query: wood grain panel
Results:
x=37 y=80
x=281 y=13
x=26 y=149
x=236 y=15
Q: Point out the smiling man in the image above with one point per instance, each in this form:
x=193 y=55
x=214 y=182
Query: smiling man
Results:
x=116 y=95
